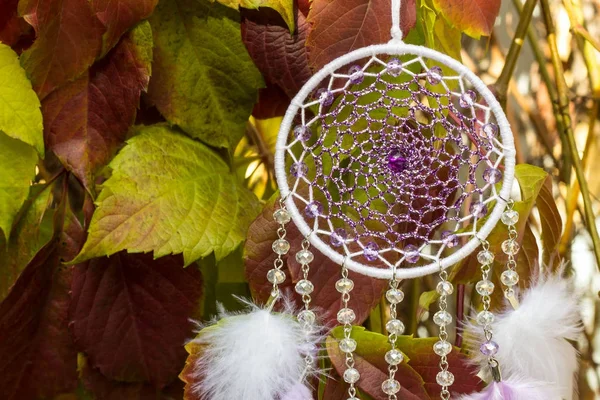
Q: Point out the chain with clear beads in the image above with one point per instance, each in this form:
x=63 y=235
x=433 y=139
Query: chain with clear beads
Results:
x=347 y=345
x=304 y=288
x=485 y=288
x=280 y=246
x=442 y=348
x=395 y=327
x=510 y=247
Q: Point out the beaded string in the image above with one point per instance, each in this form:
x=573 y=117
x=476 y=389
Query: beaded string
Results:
x=395 y=327
x=510 y=247
x=347 y=345
x=442 y=348
x=281 y=247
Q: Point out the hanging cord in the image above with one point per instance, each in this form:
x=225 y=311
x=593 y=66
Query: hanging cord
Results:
x=396 y=32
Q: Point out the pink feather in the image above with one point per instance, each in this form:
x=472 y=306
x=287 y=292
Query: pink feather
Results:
x=512 y=389
x=298 y=392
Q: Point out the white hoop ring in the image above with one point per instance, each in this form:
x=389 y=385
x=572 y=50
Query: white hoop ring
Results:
x=508 y=148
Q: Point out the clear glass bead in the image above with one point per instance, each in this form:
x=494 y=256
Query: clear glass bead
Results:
x=442 y=348
x=394 y=357
x=450 y=239
x=307 y=316
x=304 y=286
x=485 y=318
x=394 y=296
x=344 y=285
x=509 y=277
x=467 y=99
x=276 y=276
x=356 y=74
x=282 y=216
x=411 y=254
x=485 y=257
x=371 y=251
x=299 y=169
x=390 y=386
x=489 y=348
x=351 y=375
x=478 y=209
x=395 y=326
x=510 y=247
x=302 y=133
x=485 y=287
x=444 y=378
x=281 y=246
x=338 y=237
x=305 y=256
x=444 y=288
x=490 y=130
x=492 y=175
x=346 y=316
x=347 y=345
x=510 y=217
x=442 y=318
x=394 y=67
x=434 y=75
x=324 y=96
x=313 y=209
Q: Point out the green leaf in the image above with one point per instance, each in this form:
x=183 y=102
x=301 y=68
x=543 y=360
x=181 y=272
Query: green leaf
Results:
x=285 y=8
x=20 y=115
x=203 y=78
x=17 y=169
x=169 y=194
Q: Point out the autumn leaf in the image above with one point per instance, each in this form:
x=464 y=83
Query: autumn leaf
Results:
x=118 y=16
x=285 y=8
x=473 y=17
x=11 y=25
x=341 y=26
x=130 y=315
x=259 y=258
x=169 y=194
x=203 y=79
x=551 y=222
x=69 y=38
x=37 y=356
x=86 y=120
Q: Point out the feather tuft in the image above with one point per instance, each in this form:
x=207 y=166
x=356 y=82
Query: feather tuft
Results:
x=514 y=389
x=533 y=340
x=298 y=392
x=256 y=355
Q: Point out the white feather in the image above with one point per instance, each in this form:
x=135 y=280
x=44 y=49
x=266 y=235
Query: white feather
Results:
x=533 y=339
x=514 y=389
x=298 y=392
x=257 y=355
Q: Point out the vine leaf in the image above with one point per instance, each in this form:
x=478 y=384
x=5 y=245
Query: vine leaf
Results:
x=259 y=258
x=204 y=81
x=340 y=26
x=11 y=26
x=169 y=194
x=285 y=8
x=86 y=120
x=118 y=16
x=20 y=115
x=473 y=17
x=69 y=38
x=130 y=315
x=36 y=345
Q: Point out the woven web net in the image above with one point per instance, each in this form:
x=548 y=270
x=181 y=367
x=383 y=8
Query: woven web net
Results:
x=394 y=162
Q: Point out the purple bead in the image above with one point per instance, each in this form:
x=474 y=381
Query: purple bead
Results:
x=490 y=130
x=411 y=254
x=434 y=75
x=478 y=209
x=492 y=175
x=371 y=251
x=313 y=209
x=489 y=349
x=394 y=67
x=338 y=237
x=467 y=99
x=299 y=169
x=302 y=133
x=450 y=239
x=324 y=96
x=356 y=74
x=397 y=161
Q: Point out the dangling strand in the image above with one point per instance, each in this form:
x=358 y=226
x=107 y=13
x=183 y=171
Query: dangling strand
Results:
x=280 y=246
x=442 y=348
x=510 y=247
x=395 y=327
x=347 y=345
x=305 y=287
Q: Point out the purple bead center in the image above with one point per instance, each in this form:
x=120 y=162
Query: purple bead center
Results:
x=397 y=161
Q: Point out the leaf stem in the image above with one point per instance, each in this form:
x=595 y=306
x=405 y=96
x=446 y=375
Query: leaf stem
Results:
x=563 y=103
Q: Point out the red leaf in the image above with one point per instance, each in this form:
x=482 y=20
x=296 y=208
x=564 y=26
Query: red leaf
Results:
x=280 y=56
x=69 y=38
x=11 y=25
x=272 y=102
x=340 y=26
x=120 y=15
x=474 y=17
x=37 y=356
x=259 y=258
x=130 y=315
x=86 y=120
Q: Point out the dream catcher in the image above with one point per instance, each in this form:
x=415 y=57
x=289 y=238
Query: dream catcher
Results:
x=396 y=162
